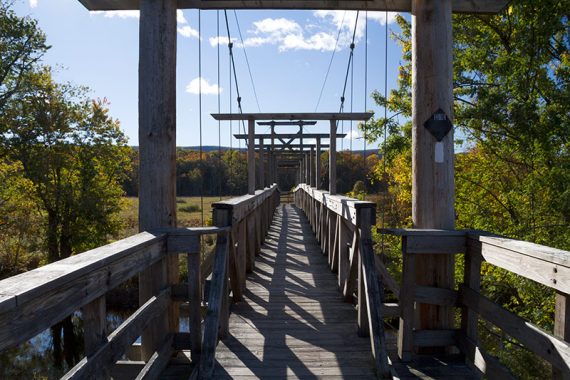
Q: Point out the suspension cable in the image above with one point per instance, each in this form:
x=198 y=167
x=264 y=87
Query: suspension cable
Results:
x=331 y=61
x=233 y=66
x=247 y=62
x=219 y=108
x=365 y=79
x=200 y=112
x=384 y=170
x=350 y=58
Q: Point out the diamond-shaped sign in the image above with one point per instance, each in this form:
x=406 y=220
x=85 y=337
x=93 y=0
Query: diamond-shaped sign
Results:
x=438 y=125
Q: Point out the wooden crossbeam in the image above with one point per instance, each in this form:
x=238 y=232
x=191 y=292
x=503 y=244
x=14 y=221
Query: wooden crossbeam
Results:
x=274 y=123
x=289 y=136
x=294 y=116
x=459 y=6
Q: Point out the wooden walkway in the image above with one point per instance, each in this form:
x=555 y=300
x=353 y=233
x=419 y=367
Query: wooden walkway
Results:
x=293 y=322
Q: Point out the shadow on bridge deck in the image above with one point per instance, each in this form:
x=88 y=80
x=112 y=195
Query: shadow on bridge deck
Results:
x=293 y=322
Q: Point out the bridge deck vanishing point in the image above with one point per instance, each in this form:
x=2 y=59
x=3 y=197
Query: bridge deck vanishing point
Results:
x=293 y=322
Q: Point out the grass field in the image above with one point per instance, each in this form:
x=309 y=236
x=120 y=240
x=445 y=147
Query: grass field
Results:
x=188 y=212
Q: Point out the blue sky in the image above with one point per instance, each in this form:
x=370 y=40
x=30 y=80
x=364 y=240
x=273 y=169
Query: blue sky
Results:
x=288 y=51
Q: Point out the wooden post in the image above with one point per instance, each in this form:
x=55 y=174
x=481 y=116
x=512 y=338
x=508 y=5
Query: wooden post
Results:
x=318 y=165
x=157 y=151
x=312 y=166
x=307 y=169
x=94 y=324
x=195 y=303
x=332 y=159
x=261 y=165
x=432 y=161
x=562 y=328
x=251 y=157
x=406 y=329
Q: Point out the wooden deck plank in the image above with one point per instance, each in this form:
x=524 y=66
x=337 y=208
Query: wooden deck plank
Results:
x=293 y=323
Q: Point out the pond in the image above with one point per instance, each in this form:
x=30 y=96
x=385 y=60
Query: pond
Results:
x=34 y=359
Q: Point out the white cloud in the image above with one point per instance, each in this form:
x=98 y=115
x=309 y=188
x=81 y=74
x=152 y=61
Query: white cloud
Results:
x=187 y=31
x=353 y=134
x=207 y=89
x=222 y=40
x=33 y=3
x=118 y=14
x=180 y=17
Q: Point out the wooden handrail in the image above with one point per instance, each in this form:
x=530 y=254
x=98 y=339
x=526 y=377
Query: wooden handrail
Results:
x=544 y=265
x=343 y=227
x=36 y=300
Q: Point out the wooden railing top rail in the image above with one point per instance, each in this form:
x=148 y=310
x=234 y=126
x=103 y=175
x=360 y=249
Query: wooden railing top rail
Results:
x=33 y=301
x=243 y=205
x=339 y=204
x=546 y=265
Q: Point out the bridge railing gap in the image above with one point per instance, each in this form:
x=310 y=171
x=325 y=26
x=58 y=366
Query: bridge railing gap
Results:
x=34 y=301
x=342 y=226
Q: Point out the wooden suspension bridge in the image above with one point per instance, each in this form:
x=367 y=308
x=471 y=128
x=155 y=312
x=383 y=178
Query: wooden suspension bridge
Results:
x=295 y=290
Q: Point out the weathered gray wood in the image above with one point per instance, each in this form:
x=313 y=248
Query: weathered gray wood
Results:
x=294 y=116
x=195 y=301
x=546 y=272
x=212 y=319
x=61 y=288
x=562 y=327
x=261 y=164
x=352 y=277
x=405 y=332
x=435 y=296
x=158 y=361
x=481 y=362
x=332 y=157
x=387 y=278
x=550 y=348
x=374 y=294
x=460 y=6
x=432 y=171
x=435 y=338
x=94 y=324
x=157 y=150
x=436 y=244
x=96 y=364
x=343 y=258
x=362 y=305
x=470 y=319
x=251 y=157
x=318 y=164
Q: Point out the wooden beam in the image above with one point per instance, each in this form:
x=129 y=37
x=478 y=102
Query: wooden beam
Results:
x=294 y=116
x=318 y=164
x=288 y=136
x=251 y=157
x=332 y=159
x=299 y=123
x=459 y=6
x=261 y=165
x=432 y=160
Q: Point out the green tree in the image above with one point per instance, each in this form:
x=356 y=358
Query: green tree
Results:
x=512 y=109
x=22 y=44
x=75 y=156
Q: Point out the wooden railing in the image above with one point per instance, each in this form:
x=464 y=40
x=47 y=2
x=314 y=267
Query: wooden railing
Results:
x=34 y=301
x=343 y=226
x=547 y=266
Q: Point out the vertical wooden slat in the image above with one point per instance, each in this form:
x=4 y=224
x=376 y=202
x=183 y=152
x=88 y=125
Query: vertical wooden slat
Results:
x=471 y=279
x=332 y=158
x=318 y=165
x=94 y=324
x=405 y=331
x=562 y=329
x=363 y=323
x=374 y=293
x=195 y=303
x=251 y=157
x=250 y=243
